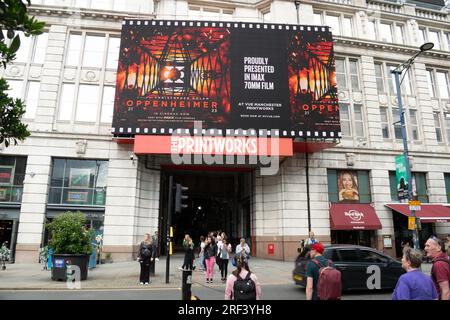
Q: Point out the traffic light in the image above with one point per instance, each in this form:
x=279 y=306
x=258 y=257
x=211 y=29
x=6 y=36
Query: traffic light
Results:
x=179 y=197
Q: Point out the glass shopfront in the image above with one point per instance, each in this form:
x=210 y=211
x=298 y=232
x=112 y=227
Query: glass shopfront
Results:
x=78 y=182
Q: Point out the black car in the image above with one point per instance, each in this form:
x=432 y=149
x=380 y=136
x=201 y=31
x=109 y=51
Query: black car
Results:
x=354 y=262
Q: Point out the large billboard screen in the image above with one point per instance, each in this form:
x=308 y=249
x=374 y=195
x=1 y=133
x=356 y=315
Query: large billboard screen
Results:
x=230 y=76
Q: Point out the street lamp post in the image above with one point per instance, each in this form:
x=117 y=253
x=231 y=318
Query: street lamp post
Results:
x=397 y=72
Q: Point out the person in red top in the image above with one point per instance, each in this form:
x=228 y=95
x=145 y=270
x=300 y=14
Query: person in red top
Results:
x=440 y=272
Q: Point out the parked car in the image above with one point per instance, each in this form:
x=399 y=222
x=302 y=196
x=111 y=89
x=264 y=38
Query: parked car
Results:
x=353 y=262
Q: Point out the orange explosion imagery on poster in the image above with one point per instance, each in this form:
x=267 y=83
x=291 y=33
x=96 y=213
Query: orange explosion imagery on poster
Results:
x=175 y=74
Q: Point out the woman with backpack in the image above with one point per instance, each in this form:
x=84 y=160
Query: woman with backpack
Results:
x=242 y=284
x=146 y=254
x=210 y=253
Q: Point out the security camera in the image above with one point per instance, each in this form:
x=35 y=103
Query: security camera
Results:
x=131 y=156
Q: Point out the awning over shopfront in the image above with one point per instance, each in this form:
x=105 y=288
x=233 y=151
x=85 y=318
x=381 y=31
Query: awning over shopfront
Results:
x=428 y=212
x=353 y=217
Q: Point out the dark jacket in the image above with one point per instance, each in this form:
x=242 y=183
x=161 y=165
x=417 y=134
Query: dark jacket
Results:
x=210 y=250
x=142 y=248
x=189 y=253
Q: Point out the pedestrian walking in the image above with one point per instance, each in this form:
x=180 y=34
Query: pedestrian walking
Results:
x=242 y=249
x=201 y=254
x=224 y=253
x=242 y=284
x=414 y=284
x=145 y=256
x=219 y=249
x=440 y=271
x=189 y=257
x=311 y=240
x=210 y=258
x=323 y=279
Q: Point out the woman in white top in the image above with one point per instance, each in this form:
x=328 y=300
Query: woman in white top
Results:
x=224 y=253
x=201 y=254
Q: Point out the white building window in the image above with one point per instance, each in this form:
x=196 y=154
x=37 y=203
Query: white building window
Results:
x=266 y=16
x=317 y=19
x=384 y=122
x=40 y=49
x=333 y=22
x=438 y=127
x=113 y=53
x=340 y=24
x=340 y=73
x=73 y=50
x=359 y=120
x=399 y=33
x=94 y=49
x=431 y=83
x=87 y=103
x=32 y=48
x=442 y=84
x=107 y=104
x=344 y=115
x=32 y=99
x=347 y=73
x=385 y=32
x=447 y=125
x=15 y=88
x=379 y=77
x=371 y=30
x=406 y=85
x=396 y=124
x=435 y=37
x=414 y=125
x=66 y=102
x=208 y=13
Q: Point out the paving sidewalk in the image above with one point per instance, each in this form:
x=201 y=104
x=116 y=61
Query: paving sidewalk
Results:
x=125 y=275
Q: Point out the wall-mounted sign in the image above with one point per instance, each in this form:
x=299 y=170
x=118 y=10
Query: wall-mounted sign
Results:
x=401 y=174
x=78 y=196
x=79 y=178
x=348 y=186
x=271 y=248
x=387 y=241
x=229 y=76
x=6 y=175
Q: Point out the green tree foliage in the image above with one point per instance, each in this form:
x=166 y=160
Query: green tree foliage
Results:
x=68 y=235
x=13 y=18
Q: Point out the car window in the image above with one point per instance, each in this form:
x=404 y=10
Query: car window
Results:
x=372 y=257
x=347 y=255
x=330 y=254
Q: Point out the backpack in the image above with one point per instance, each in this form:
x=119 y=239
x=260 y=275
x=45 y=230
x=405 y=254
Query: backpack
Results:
x=442 y=259
x=244 y=289
x=146 y=252
x=329 y=285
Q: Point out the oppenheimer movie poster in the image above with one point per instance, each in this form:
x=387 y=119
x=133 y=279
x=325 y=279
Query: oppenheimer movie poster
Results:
x=227 y=75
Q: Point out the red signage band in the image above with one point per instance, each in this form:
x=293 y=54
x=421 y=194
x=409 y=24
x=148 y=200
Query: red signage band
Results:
x=234 y=146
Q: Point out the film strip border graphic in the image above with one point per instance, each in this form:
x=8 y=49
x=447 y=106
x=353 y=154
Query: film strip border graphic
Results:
x=237 y=25
x=229 y=132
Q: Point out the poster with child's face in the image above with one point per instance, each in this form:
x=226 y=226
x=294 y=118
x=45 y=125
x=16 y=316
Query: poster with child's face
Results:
x=348 y=186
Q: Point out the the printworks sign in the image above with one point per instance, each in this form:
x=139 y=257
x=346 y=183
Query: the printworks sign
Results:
x=401 y=174
x=230 y=76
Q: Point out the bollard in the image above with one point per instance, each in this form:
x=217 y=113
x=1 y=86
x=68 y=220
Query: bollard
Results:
x=186 y=285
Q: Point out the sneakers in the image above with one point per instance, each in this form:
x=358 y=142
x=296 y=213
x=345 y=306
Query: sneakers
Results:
x=146 y=283
x=141 y=283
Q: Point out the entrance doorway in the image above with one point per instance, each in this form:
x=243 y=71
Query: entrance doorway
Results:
x=216 y=201
x=402 y=233
x=364 y=238
x=6 y=228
